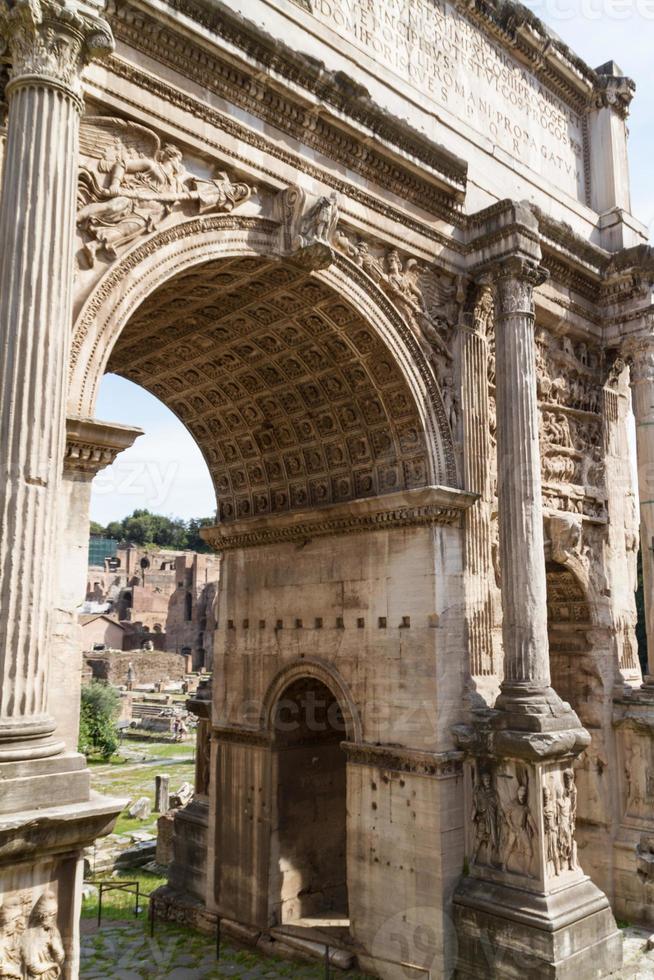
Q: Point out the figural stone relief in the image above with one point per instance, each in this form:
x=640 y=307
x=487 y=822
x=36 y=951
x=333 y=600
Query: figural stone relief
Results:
x=505 y=820
x=30 y=942
x=428 y=300
x=129 y=182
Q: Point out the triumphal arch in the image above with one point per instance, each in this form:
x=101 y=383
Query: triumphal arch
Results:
x=379 y=258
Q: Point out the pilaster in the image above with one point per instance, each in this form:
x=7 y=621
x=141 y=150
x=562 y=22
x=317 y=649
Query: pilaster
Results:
x=90 y=446
x=477 y=475
x=640 y=354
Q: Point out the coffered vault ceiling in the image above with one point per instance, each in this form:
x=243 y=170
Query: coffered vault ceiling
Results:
x=290 y=394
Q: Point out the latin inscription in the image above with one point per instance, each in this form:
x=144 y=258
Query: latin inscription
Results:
x=446 y=57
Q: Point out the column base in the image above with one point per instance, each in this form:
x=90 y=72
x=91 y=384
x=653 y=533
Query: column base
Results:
x=505 y=932
x=527 y=707
x=57 y=781
x=29 y=739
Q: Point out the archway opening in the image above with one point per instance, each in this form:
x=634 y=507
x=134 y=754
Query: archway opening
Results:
x=290 y=394
x=568 y=622
x=577 y=678
x=308 y=848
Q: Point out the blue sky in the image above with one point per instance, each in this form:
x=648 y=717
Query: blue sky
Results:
x=165 y=472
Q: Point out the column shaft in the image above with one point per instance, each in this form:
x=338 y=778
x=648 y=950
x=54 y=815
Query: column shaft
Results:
x=48 y=45
x=524 y=587
x=477 y=475
x=36 y=234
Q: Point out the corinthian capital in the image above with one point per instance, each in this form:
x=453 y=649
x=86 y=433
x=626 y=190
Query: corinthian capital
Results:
x=514 y=281
x=639 y=355
x=51 y=41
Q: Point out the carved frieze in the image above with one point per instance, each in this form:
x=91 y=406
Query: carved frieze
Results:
x=129 y=183
x=427 y=299
x=560 y=821
x=522 y=822
x=30 y=942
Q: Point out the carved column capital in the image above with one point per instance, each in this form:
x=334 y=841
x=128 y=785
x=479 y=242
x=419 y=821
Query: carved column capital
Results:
x=514 y=280
x=50 y=42
x=638 y=353
x=483 y=309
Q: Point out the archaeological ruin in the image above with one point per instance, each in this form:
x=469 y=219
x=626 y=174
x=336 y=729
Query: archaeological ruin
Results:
x=380 y=260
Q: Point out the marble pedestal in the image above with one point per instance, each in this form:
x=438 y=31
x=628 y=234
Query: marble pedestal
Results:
x=525 y=907
x=41 y=864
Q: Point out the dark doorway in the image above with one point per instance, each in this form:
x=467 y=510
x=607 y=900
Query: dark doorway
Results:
x=308 y=873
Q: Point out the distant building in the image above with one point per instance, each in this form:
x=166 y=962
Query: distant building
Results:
x=163 y=596
x=101 y=632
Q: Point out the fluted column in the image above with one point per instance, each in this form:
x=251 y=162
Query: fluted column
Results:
x=526 y=693
x=640 y=353
x=478 y=567
x=48 y=44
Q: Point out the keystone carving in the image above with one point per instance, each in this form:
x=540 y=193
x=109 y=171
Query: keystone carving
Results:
x=308 y=226
x=129 y=183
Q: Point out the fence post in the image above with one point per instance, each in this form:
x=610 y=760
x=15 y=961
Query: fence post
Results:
x=326 y=962
x=99 y=904
x=218 y=937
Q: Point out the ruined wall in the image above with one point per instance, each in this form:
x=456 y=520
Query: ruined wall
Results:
x=150 y=666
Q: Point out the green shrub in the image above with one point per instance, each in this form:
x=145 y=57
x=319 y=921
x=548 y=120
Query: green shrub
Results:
x=97 y=729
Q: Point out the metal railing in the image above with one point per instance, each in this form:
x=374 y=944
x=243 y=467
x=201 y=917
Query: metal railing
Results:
x=134 y=888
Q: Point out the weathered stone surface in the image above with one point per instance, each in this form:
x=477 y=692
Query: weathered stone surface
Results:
x=141 y=808
x=304 y=228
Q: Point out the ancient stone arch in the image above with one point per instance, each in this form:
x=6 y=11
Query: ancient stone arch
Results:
x=147 y=289
x=404 y=379
x=328 y=676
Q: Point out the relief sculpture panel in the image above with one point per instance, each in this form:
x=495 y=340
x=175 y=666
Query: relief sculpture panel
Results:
x=31 y=946
x=129 y=182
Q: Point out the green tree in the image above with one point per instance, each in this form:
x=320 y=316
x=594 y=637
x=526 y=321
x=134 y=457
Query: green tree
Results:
x=195 y=542
x=99 y=710
x=144 y=528
x=96 y=528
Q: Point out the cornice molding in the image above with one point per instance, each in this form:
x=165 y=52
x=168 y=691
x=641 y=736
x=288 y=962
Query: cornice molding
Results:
x=409 y=508
x=511 y=24
x=254 y=737
x=339 y=119
x=91 y=445
x=440 y=765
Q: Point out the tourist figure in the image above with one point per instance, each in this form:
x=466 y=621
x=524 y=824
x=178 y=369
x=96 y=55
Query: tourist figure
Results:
x=551 y=829
x=11 y=929
x=566 y=805
x=521 y=830
x=485 y=818
x=43 y=950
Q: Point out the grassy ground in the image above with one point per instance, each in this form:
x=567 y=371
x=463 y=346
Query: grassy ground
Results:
x=130 y=774
x=122 y=949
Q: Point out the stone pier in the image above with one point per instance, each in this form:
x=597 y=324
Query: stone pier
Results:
x=525 y=904
x=47 y=813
